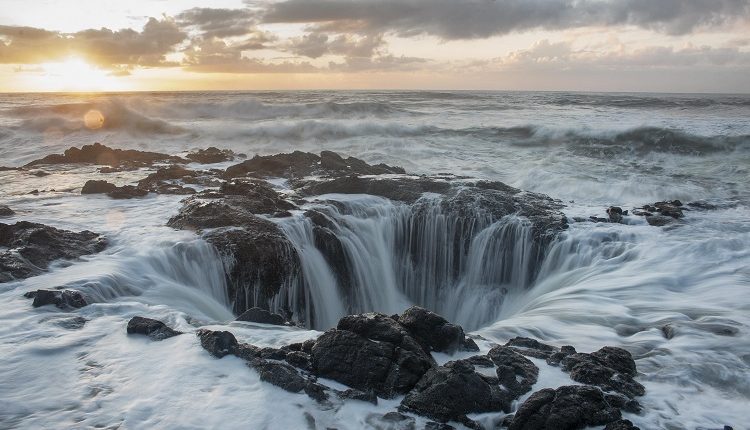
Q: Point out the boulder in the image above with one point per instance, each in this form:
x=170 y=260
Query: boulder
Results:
x=6 y=211
x=97 y=187
x=211 y=155
x=262 y=316
x=432 y=330
x=615 y=214
x=531 y=347
x=280 y=374
x=152 y=328
x=104 y=155
x=31 y=247
x=127 y=192
x=516 y=373
x=610 y=368
x=448 y=393
x=566 y=408
x=63 y=299
x=218 y=343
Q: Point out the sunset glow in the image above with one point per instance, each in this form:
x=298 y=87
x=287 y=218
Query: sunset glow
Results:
x=73 y=74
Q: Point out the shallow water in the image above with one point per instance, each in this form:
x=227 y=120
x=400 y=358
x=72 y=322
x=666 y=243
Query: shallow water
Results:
x=603 y=284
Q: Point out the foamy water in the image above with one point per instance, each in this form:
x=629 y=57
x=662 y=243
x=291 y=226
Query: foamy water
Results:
x=603 y=284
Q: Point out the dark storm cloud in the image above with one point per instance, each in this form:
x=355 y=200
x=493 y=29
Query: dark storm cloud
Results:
x=103 y=47
x=472 y=19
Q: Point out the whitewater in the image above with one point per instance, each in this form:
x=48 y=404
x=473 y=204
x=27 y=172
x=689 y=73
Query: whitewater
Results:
x=676 y=297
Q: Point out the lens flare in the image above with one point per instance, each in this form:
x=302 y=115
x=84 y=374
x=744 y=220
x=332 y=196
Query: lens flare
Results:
x=93 y=119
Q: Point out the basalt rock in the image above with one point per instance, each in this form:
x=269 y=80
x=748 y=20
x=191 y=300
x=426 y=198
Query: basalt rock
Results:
x=262 y=316
x=97 y=187
x=531 y=347
x=621 y=425
x=152 y=328
x=610 y=368
x=211 y=155
x=432 y=330
x=390 y=421
x=218 y=343
x=63 y=299
x=127 y=192
x=570 y=407
x=104 y=155
x=515 y=372
x=299 y=164
x=448 y=393
x=31 y=247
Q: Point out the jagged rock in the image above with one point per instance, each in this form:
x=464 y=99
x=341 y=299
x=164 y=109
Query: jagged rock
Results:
x=621 y=425
x=211 y=155
x=63 y=299
x=368 y=396
x=173 y=172
x=610 y=368
x=531 y=347
x=448 y=393
x=615 y=214
x=100 y=154
x=127 y=192
x=514 y=371
x=279 y=374
x=152 y=328
x=557 y=357
x=6 y=211
x=299 y=164
x=432 y=330
x=97 y=187
x=218 y=343
x=391 y=421
x=262 y=316
x=31 y=247
x=299 y=359
x=566 y=408
x=431 y=425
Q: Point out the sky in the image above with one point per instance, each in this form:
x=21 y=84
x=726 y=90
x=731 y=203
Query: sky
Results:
x=562 y=45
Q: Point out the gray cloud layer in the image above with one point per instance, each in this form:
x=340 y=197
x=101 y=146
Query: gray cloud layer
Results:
x=469 y=19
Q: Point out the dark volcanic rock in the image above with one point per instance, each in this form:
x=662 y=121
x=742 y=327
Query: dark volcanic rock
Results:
x=6 y=211
x=659 y=220
x=448 y=393
x=262 y=316
x=63 y=299
x=127 y=192
x=531 y=347
x=280 y=374
x=299 y=164
x=621 y=425
x=152 y=328
x=390 y=421
x=211 y=155
x=566 y=408
x=218 y=343
x=100 y=154
x=514 y=371
x=610 y=368
x=432 y=330
x=32 y=247
x=363 y=396
x=97 y=187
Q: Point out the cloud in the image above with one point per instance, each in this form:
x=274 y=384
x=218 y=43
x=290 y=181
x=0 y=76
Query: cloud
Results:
x=216 y=56
x=218 y=23
x=103 y=47
x=471 y=19
x=317 y=44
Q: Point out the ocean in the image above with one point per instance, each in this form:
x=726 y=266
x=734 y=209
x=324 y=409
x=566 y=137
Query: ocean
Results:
x=599 y=284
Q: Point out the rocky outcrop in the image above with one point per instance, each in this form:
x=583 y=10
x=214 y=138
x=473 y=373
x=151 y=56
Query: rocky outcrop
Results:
x=6 y=211
x=434 y=332
x=514 y=372
x=212 y=155
x=300 y=164
x=63 y=299
x=29 y=248
x=97 y=187
x=610 y=368
x=152 y=328
x=570 y=407
x=104 y=155
x=262 y=316
x=113 y=191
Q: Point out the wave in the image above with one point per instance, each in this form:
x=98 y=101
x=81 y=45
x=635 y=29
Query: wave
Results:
x=646 y=101
x=320 y=130
x=70 y=117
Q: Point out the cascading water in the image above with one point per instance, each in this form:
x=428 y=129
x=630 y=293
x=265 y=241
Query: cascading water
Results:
x=396 y=255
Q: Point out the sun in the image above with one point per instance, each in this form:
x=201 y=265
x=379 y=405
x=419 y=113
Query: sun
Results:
x=75 y=74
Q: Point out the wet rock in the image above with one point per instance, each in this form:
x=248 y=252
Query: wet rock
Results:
x=38 y=173
x=218 y=343
x=671 y=209
x=152 y=328
x=368 y=396
x=6 y=211
x=610 y=368
x=702 y=205
x=621 y=425
x=31 y=247
x=566 y=408
x=74 y=323
x=624 y=403
x=448 y=393
x=299 y=164
x=63 y=299
x=432 y=330
x=299 y=359
x=514 y=371
x=659 y=220
x=100 y=154
x=615 y=214
x=432 y=425
x=557 y=357
x=280 y=374
x=174 y=172
x=531 y=347
x=262 y=316
x=273 y=353
x=668 y=331
x=406 y=189
x=391 y=421
x=97 y=187
x=127 y=192
x=211 y=155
